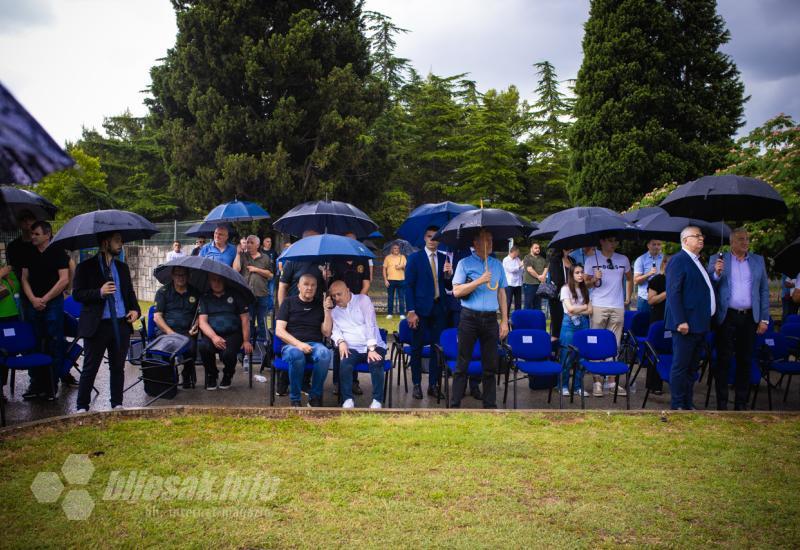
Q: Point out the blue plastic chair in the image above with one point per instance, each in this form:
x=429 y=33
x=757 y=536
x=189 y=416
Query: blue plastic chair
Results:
x=528 y=319
x=401 y=349
x=634 y=337
x=18 y=350
x=596 y=353
x=72 y=306
x=279 y=364
x=658 y=354
x=447 y=350
x=530 y=352
x=362 y=368
x=775 y=356
x=792 y=318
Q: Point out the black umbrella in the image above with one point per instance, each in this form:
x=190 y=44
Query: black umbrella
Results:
x=587 y=230
x=549 y=226
x=661 y=225
x=27 y=152
x=82 y=230
x=204 y=229
x=787 y=261
x=406 y=248
x=635 y=215
x=726 y=197
x=326 y=216
x=199 y=268
x=461 y=230
x=15 y=201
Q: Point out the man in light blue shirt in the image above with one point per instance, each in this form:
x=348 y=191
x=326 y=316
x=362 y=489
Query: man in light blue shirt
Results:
x=219 y=249
x=480 y=283
x=646 y=266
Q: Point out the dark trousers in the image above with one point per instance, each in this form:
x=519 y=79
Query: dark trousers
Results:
x=433 y=324
x=735 y=337
x=482 y=327
x=532 y=300
x=685 y=363
x=514 y=293
x=95 y=347
x=48 y=326
x=229 y=355
x=556 y=316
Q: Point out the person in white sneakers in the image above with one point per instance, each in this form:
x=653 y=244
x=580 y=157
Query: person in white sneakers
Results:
x=358 y=339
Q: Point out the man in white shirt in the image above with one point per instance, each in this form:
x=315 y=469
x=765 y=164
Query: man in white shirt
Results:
x=646 y=266
x=358 y=339
x=513 y=268
x=176 y=251
x=604 y=274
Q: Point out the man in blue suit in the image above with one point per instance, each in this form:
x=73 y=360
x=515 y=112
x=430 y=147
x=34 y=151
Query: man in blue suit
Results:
x=428 y=277
x=743 y=311
x=691 y=303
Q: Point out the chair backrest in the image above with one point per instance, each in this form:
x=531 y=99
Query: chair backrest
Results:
x=640 y=324
x=72 y=306
x=792 y=318
x=595 y=344
x=627 y=321
x=277 y=346
x=530 y=344
x=528 y=319
x=405 y=334
x=449 y=342
x=17 y=337
x=791 y=330
x=776 y=343
x=151 y=323
x=660 y=338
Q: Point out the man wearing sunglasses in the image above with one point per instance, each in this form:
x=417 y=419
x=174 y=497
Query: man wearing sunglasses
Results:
x=605 y=273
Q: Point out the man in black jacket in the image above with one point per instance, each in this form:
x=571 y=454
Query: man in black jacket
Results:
x=103 y=285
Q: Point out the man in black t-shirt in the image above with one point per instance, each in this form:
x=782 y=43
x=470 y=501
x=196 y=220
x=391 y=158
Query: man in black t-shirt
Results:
x=302 y=323
x=225 y=324
x=176 y=307
x=18 y=249
x=45 y=275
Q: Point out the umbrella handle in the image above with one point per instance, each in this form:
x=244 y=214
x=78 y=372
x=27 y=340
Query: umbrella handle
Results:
x=486 y=264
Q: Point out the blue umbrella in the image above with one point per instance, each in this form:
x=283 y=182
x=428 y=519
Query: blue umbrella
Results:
x=326 y=217
x=549 y=226
x=326 y=248
x=27 y=152
x=237 y=211
x=82 y=230
x=586 y=231
x=406 y=247
x=661 y=225
x=199 y=268
x=430 y=214
x=204 y=229
x=375 y=235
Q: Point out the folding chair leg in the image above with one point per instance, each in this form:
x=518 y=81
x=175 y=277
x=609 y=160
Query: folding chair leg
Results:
x=646 y=395
x=272 y=373
x=627 y=392
x=616 y=388
x=406 y=361
x=708 y=389
x=560 y=393
x=755 y=395
x=516 y=375
x=769 y=392
x=505 y=390
x=788 y=384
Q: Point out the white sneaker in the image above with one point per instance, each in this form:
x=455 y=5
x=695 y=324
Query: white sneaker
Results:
x=597 y=389
x=620 y=391
x=348 y=404
x=82 y=410
x=402 y=317
x=565 y=392
x=375 y=404
x=585 y=393
x=117 y=408
x=388 y=316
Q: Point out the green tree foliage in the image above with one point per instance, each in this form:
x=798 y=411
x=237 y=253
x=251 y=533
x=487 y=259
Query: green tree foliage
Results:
x=132 y=160
x=390 y=69
x=79 y=189
x=269 y=101
x=656 y=99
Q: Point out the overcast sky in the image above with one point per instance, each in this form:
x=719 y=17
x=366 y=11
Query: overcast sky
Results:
x=72 y=62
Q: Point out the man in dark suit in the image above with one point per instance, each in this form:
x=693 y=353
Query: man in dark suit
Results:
x=103 y=285
x=743 y=311
x=428 y=277
x=691 y=303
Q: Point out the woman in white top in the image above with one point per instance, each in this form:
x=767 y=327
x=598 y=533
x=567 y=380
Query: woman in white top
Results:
x=577 y=312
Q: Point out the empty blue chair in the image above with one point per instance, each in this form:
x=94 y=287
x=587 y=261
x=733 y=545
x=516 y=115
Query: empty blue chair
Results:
x=531 y=353
x=658 y=354
x=634 y=337
x=792 y=318
x=596 y=353
x=528 y=319
x=401 y=349
x=72 y=306
x=791 y=331
x=775 y=356
x=18 y=351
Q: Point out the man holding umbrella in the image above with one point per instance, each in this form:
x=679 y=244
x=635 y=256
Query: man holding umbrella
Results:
x=480 y=283
x=220 y=249
x=101 y=281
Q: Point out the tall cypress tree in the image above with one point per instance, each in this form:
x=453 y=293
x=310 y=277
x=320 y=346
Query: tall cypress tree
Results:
x=657 y=101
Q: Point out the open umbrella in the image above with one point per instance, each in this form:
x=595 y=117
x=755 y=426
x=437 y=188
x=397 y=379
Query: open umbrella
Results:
x=661 y=225
x=326 y=216
x=14 y=201
x=428 y=215
x=236 y=211
x=635 y=215
x=204 y=229
x=586 y=230
x=375 y=235
x=199 y=268
x=82 y=230
x=787 y=261
x=405 y=247
x=549 y=226
x=725 y=197
x=461 y=230
x=27 y=152
x=326 y=248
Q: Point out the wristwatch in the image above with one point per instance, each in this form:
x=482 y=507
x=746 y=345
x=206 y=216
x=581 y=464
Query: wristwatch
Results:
x=371 y=348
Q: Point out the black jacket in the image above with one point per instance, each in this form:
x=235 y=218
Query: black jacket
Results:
x=86 y=290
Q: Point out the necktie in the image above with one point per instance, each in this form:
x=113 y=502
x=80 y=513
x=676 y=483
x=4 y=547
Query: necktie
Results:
x=435 y=279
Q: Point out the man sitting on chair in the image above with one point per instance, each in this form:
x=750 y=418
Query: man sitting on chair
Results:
x=356 y=334
x=225 y=324
x=176 y=307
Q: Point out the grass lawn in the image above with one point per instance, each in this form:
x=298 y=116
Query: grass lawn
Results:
x=460 y=480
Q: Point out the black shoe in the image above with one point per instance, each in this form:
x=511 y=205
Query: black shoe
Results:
x=226 y=382
x=434 y=391
x=295 y=403
x=475 y=392
x=30 y=393
x=69 y=380
x=417 y=393
x=357 y=388
x=315 y=402
x=211 y=383
x=282 y=390
x=187 y=383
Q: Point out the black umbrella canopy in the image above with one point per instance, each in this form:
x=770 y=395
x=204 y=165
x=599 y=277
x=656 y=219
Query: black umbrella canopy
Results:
x=787 y=261
x=82 y=230
x=15 y=201
x=549 y=226
x=587 y=230
x=199 y=268
x=662 y=226
x=326 y=216
x=406 y=247
x=635 y=215
x=725 y=197
x=205 y=229
x=461 y=230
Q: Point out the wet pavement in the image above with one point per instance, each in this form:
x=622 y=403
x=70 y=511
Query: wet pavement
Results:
x=241 y=395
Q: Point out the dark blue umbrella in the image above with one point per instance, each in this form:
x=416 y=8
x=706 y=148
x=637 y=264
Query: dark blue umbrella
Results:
x=661 y=225
x=199 y=268
x=326 y=216
x=586 y=231
x=787 y=261
x=375 y=235
x=430 y=214
x=549 y=226
x=406 y=247
x=635 y=215
x=237 y=211
x=14 y=201
x=326 y=248
x=82 y=230
x=204 y=229
x=27 y=152
x=461 y=230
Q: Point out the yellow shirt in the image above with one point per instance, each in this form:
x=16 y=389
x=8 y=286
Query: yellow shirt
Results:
x=395 y=267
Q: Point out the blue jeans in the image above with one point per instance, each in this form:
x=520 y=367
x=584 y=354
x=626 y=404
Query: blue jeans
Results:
x=642 y=305
x=348 y=364
x=398 y=287
x=258 y=315
x=48 y=326
x=320 y=356
x=568 y=329
x=532 y=301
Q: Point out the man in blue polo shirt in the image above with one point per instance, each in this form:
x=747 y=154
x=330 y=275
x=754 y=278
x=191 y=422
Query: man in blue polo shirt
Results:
x=480 y=283
x=219 y=249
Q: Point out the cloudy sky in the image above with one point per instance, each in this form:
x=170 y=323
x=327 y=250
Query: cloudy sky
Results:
x=72 y=62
